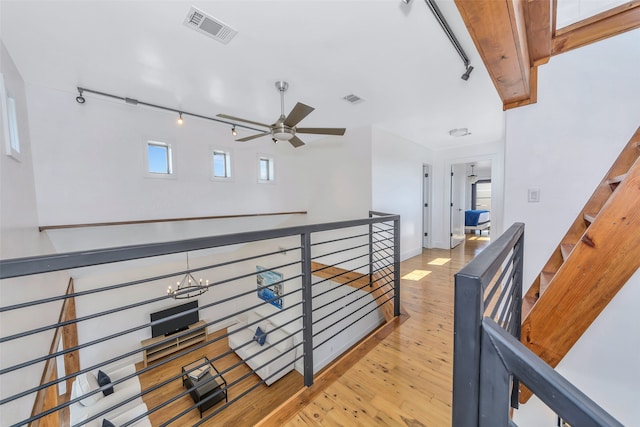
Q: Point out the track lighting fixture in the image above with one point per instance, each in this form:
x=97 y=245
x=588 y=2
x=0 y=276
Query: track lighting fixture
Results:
x=132 y=101
x=80 y=99
x=467 y=73
x=275 y=141
x=233 y=131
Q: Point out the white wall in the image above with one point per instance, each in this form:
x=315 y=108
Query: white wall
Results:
x=587 y=110
x=396 y=185
x=20 y=237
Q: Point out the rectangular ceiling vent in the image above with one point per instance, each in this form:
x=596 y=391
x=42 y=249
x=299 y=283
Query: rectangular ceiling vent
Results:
x=353 y=99
x=209 y=26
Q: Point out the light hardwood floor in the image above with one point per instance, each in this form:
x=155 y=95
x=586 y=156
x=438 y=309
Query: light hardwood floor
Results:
x=405 y=380
x=402 y=377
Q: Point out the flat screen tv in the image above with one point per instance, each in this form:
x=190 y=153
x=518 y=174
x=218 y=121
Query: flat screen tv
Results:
x=172 y=325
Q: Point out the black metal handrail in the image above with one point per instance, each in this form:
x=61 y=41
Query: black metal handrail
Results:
x=347 y=247
x=489 y=361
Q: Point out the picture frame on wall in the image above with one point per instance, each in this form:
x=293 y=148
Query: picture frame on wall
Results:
x=269 y=286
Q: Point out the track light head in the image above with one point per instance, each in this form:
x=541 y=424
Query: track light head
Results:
x=467 y=73
x=275 y=141
x=80 y=99
x=233 y=131
x=180 y=121
x=406 y=1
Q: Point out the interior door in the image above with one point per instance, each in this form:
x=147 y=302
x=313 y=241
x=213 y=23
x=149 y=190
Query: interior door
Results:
x=426 y=209
x=458 y=182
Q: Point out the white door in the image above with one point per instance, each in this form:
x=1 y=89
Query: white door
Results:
x=426 y=208
x=458 y=182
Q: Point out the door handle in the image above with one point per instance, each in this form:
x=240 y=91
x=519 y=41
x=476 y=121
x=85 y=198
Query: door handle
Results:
x=459 y=210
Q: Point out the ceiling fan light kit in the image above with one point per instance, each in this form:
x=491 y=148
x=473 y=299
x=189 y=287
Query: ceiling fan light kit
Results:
x=284 y=129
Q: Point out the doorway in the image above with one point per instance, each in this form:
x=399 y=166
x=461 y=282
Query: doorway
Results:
x=457 y=205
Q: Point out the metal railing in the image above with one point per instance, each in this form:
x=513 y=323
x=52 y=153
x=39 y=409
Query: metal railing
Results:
x=262 y=278
x=489 y=361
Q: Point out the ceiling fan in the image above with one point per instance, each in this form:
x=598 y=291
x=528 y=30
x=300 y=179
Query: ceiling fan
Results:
x=284 y=129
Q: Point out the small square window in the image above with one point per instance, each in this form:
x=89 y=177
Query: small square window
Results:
x=159 y=158
x=221 y=164
x=13 y=124
x=265 y=165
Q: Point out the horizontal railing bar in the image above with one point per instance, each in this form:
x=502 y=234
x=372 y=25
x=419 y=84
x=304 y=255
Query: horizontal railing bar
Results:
x=134 y=352
x=48 y=263
x=131 y=330
x=498 y=283
x=140 y=281
x=167 y=359
x=358 y=319
x=364 y=245
x=487 y=262
x=241 y=395
x=547 y=384
x=339 y=285
x=510 y=291
x=341 y=298
x=316 y=333
x=340 y=239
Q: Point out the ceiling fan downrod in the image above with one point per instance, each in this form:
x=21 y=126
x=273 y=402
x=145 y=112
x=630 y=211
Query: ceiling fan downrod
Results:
x=282 y=86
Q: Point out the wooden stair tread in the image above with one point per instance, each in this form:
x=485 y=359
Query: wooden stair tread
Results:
x=590 y=217
x=527 y=304
x=566 y=249
x=613 y=182
x=545 y=279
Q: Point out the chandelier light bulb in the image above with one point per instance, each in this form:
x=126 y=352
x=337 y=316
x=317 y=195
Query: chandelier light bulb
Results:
x=180 y=121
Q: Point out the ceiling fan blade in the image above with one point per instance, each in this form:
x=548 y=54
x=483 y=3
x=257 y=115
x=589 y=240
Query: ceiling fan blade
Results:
x=299 y=112
x=238 y=119
x=322 y=131
x=296 y=142
x=249 y=138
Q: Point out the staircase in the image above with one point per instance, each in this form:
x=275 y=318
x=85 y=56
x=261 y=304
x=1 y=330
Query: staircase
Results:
x=596 y=257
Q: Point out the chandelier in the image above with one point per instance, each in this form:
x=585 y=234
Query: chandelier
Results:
x=188 y=287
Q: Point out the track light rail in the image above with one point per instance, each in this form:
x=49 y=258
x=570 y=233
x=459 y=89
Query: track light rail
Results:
x=81 y=100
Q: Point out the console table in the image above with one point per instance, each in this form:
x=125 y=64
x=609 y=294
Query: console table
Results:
x=159 y=347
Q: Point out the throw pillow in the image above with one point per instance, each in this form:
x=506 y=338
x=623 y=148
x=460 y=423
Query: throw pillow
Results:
x=103 y=379
x=107 y=423
x=260 y=337
x=89 y=383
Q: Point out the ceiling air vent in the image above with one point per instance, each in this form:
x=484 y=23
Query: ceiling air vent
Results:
x=209 y=26
x=352 y=99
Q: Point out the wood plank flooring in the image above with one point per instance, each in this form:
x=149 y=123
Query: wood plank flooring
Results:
x=406 y=380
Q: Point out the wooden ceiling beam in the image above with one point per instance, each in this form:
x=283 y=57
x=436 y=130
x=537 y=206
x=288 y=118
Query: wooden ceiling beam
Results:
x=499 y=33
x=610 y=23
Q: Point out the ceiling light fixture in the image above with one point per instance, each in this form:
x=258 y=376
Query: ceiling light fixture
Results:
x=233 y=130
x=180 y=121
x=467 y=73
x=188 y=287
x=473 y=178
x=458 y=132
x=80 y=99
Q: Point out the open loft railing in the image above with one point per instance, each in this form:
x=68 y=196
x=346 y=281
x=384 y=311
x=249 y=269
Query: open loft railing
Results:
x=489 y=361
x=262 y=313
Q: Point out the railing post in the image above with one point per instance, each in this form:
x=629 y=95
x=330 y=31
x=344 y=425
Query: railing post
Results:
x=517 y=282
x=466 y=350
x=307 y=309
x=396 y=267
x=370 y=251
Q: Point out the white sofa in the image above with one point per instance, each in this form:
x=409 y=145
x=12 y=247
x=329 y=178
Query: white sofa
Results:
x=91 y=405
x=243 y=332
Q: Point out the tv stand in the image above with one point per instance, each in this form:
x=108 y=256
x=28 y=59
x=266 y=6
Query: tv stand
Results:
x=159 y=347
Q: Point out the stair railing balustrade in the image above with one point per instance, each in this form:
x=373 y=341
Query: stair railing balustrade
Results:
x=310 y=312
x=489 y=361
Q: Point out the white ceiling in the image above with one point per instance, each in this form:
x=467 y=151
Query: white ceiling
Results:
x=393 y=55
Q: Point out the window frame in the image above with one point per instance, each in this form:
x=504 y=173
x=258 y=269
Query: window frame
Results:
x=170 y=154
x=271 y=177
x=228 y=161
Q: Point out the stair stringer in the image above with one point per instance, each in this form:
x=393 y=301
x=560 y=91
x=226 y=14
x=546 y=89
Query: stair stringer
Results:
x=605 y=256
